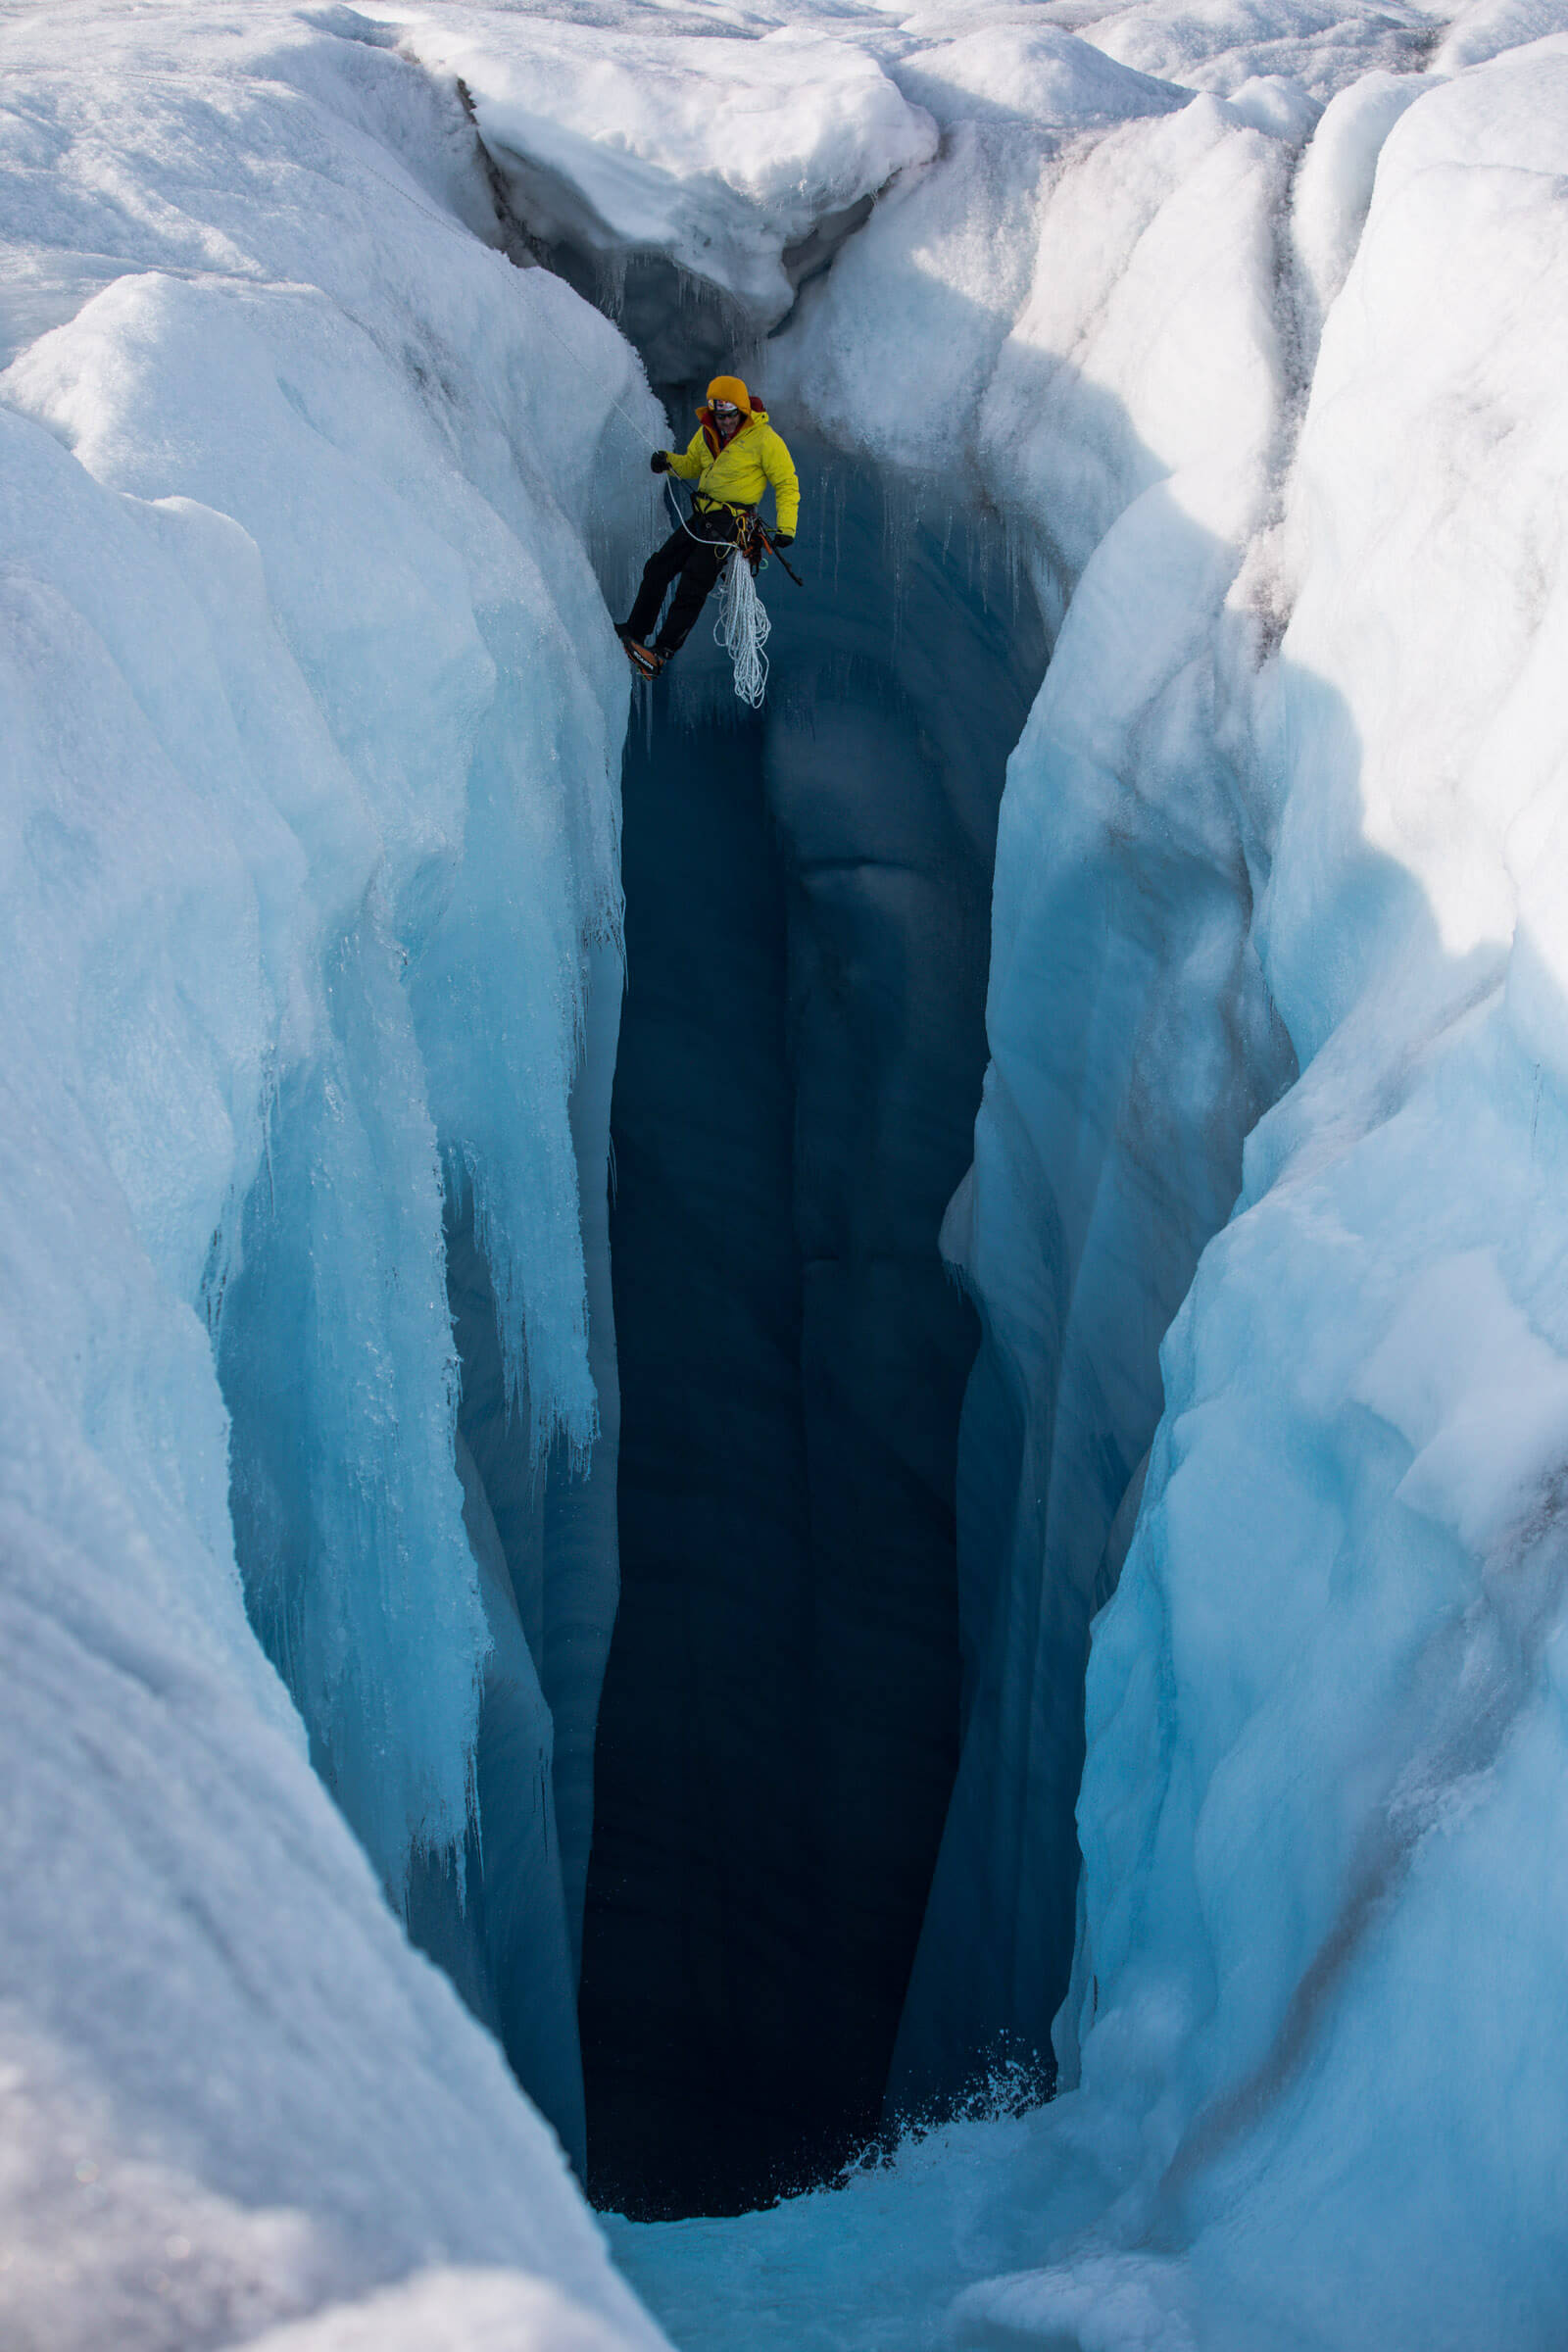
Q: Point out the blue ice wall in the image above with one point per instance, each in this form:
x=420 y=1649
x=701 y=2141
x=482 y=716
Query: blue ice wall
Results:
x=1133 y=1044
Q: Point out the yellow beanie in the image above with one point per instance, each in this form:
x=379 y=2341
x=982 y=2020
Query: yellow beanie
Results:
x=730 y=388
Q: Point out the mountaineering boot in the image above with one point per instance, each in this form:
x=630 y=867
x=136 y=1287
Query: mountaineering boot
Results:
x=646 y=661
x=635 y=653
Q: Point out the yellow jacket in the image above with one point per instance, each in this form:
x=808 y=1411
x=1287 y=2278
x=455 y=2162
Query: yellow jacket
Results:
x=735 y=473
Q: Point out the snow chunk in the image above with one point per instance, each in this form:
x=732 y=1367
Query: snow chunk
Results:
x=446 y=2311
x=1112 y=2304
x=1221 y=45
x=717 y=153
x=1481 y=1400
x=1037 y=73
x=1487 y=28
x=1334 y=186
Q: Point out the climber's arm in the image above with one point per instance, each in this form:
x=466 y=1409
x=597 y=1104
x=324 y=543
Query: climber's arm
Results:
x=690 y=461
x=779 y=468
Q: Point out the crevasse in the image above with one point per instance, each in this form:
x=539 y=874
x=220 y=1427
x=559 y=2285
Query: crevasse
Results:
x=800 y=1064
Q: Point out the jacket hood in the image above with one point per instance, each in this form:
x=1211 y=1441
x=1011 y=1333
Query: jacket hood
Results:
x=731 y=388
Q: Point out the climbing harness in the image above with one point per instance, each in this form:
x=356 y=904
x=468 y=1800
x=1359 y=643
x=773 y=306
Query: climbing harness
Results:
x=742 y=627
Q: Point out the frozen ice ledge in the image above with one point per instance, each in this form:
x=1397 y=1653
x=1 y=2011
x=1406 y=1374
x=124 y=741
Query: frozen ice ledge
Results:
x=1226 y=358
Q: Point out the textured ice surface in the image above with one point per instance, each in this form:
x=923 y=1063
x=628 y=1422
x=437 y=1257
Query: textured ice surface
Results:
x=721 y=154
x=312 y=713
x=312 y=706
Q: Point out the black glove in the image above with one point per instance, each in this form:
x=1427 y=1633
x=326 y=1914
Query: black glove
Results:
x=783 y=538
x=659 y=463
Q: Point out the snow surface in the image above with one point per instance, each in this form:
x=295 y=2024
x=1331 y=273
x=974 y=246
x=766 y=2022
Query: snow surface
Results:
x=312 y=718
x=719 y=153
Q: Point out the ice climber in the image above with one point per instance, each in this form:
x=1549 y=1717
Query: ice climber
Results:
x=732 y=458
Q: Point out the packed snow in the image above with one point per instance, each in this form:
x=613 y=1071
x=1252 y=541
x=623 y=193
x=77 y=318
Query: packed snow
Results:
x=1244 y=330
x=724 y=156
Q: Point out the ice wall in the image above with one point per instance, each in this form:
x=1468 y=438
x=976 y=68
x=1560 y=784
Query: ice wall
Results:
x=1280 y=833
x=1115 y=389
x=1217 y=860
x=1353 y=1501
x=312 y=723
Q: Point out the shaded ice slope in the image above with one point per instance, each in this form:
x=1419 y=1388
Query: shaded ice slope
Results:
x=311 y=713
x=1121 y=394
x=1363 y=1427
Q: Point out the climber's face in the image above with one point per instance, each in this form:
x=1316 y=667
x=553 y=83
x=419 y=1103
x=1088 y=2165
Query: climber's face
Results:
x=726 y=416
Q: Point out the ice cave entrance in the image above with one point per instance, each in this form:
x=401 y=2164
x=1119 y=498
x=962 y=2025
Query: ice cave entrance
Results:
x=808 y=913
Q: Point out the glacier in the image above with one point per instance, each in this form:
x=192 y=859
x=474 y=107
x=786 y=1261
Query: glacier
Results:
x=1179 y=1714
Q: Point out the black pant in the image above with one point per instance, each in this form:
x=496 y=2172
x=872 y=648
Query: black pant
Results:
x=698 y=562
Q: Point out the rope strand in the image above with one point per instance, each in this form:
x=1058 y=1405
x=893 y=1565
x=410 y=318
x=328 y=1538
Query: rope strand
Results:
x=742 y=629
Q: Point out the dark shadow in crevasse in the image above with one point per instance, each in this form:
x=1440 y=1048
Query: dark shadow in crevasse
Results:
x=808 y=897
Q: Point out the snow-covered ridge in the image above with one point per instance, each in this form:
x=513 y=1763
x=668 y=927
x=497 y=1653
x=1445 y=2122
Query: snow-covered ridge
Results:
x=722 y=155
x=310 y=722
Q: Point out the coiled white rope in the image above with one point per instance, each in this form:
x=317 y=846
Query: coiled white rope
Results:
x=742 y=629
